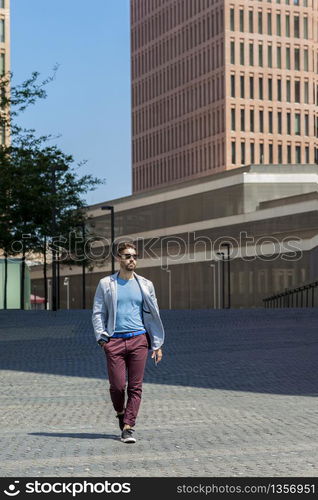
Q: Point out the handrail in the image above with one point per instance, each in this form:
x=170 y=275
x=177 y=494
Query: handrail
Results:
x=294 y=297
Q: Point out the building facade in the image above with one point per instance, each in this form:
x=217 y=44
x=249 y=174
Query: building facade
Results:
x=219 y=84
x=4 y=52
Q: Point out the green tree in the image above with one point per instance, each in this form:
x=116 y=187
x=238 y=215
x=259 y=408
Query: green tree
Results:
x=41 y=194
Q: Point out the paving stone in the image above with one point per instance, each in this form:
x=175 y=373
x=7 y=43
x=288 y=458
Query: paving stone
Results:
x=233 y=396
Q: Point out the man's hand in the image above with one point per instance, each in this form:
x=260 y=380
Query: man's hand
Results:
x=157 y=354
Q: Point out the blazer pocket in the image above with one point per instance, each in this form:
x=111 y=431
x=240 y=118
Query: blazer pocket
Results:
x=147 y=312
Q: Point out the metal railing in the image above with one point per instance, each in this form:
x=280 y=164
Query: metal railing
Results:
x=302 y=296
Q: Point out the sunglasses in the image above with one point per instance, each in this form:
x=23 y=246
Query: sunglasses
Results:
x=128 y=256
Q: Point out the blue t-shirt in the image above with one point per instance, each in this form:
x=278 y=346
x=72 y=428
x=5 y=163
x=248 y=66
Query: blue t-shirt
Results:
x=129 y=306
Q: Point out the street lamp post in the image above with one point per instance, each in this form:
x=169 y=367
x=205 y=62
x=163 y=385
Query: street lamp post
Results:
x=54 y=273
x=227 y=245
x=112 y=221
x=83 y=270
x=223 y=280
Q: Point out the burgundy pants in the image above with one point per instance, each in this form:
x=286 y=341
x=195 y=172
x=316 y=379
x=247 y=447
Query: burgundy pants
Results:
x=131 y=355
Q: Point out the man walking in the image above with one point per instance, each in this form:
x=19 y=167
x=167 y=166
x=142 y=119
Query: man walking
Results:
x=127 y=324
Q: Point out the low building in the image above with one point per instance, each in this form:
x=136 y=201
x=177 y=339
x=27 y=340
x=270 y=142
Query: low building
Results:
x=267 y=214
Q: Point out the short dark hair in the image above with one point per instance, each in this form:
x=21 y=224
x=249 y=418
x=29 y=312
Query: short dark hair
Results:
x=125 y=244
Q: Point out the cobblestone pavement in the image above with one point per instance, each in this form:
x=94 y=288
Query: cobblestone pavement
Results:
x=235 y=395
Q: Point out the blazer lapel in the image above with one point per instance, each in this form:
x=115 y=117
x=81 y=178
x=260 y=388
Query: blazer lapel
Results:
x=113 y=289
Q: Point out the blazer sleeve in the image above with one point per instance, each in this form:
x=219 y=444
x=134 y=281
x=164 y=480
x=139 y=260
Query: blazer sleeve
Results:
x=100 y=314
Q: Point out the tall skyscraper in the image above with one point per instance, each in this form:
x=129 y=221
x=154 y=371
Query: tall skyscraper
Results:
x=217 y=84
x=4 y=51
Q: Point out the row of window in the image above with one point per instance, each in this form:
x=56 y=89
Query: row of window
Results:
x=180 y=73
x=295 y=58
x=179 y=166
x=179 y=135
x=292 y=121
x=294 y=26
x=178 y=105
x=301 y=153
x=190 y=36
x=303 y=3
x=296 y=91
x=175 y=13
x=170 y=48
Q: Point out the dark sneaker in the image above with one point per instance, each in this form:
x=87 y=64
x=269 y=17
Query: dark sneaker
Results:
x=121 y=421
x=127 y=437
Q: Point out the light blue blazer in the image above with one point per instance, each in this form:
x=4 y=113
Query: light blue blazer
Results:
x=105 y=305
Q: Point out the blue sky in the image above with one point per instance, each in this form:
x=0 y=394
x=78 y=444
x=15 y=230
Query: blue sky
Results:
x=89 y=101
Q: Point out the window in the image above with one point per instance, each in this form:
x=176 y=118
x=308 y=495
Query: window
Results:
x=270 y=89
x=288 y=91
x=287 y=57
x=278 y=25
x=289 y=156
x=306 y=59
x=306 y=28
x=261 y=121
x=287 y=20
x=2 y=30
x=297 y=91
x=296 y=26
x=242 y=20
x=279 y=89
x=297 y=58
x=288 y=120
x=251 y=51
x=232 y=85
x=279 y=57
x=260 y=55
x=2 y=64
x=297 y=123
x=260 y=88
x=242 y=89
x=270 y=56
x=232 y=52
x=261 y=153
x=307 y=154
x=279 y=122
x=242 y=120
x=306 y=124
x=260 y=22
x=232 y=20
x=232 y=118
x=250 y=21
x=252 y=149
x=2 y=4
x=298 y=154
x=252 y=127
x=280 y=154
x=233 y=155
x=270 y=122
x=269 y=23
x=242 y=53
x=242 y=153
x=306 y=92
x=270 y=153
x=251 y=87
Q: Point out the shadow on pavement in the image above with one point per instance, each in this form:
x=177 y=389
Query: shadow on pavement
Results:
x=256 y=350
